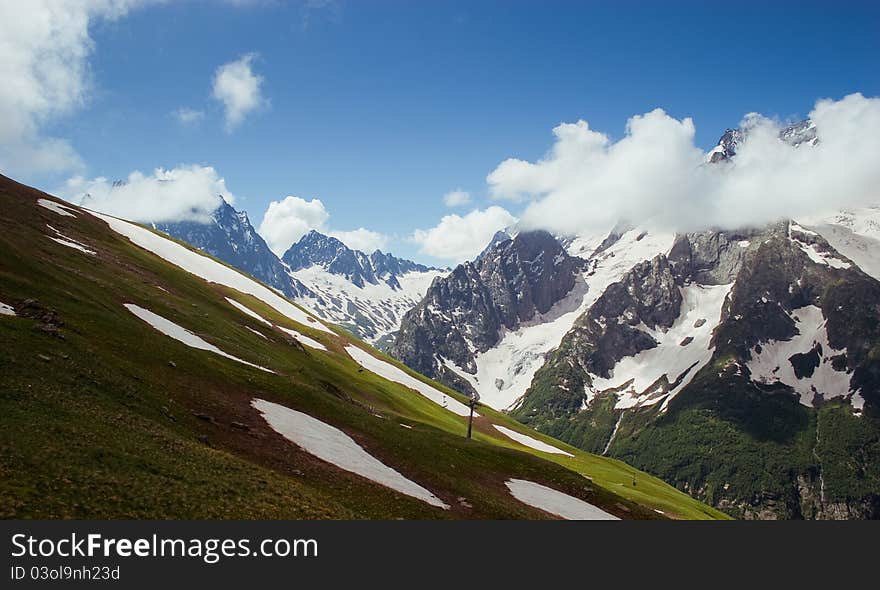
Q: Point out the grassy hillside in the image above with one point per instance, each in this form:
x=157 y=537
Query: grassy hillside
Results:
x=105 y=417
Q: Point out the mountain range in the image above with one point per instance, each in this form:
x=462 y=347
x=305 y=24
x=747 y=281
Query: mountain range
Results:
x=741 y=366
x=142 y=378
x=366 y=294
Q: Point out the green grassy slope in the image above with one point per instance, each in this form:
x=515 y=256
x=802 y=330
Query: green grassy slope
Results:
x=104 y=417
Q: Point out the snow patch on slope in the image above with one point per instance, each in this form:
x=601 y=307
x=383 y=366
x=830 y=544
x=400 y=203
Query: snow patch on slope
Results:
x=69 y=242
x=247 y=311
x=73 y=245
x=255 y=332
x=330 y=444
x=555 y=502
x=183 y=335
x=6 y=309
x=208 y=269
x=392 y=373
x=530 y=442
x=670 y=357
x=302 y=338
x=772 y=363
x=54 y=207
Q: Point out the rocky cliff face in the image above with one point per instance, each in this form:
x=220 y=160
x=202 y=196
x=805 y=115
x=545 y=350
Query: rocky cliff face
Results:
x=467 y=312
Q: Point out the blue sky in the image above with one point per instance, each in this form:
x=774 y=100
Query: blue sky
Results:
x=380 y=108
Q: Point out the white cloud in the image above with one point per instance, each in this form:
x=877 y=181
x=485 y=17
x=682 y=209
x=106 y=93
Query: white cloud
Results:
x=188 y=116
x=456 y=198
x=238 y=88
x=362 y=239
x=44 y=51
x=286 y=221
x=458 y=238
x=656 y=173
x=185 y=193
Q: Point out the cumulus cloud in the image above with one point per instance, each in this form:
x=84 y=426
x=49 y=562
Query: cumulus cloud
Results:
x=456 y=198
x=188 y=116
x=238 y=88
x=362 y=239
x=286 y=221
x=458 y=238
x=44 y=51
x=185 y=193
x=656 y=173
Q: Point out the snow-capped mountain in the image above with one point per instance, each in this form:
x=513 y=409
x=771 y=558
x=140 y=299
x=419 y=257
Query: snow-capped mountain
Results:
x=741 y=366
x=230 y=237
x=367 y=294
x=516 y=283
x=726 y=147
x=802 y=133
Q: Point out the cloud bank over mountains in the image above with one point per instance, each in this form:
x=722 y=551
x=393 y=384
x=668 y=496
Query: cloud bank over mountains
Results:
x=587 y=182
x=184 y=193
x=656 y=174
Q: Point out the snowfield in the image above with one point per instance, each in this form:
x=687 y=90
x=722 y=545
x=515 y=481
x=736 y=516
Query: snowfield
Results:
x=183 y=335
x=855 y=234
x=669 y=357
x=505 y=372
x=330 y=444
x=812 y=251
x=54 y=207
x=392 y=373
x=208 y=269
x=554 y=502
x=772 y=364
x=6 y=309
x=530 y=442
x=339 y=300
x=303 y=339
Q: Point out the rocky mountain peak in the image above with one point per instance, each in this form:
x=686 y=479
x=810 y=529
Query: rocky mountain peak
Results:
x=229 y=236
x=801 y=133
x=317 y=249
x=466 y=312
